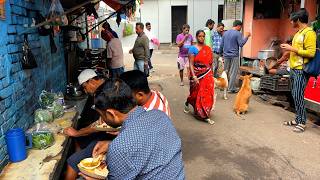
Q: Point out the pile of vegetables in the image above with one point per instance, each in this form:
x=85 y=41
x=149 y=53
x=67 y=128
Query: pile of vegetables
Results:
x=48 y=101
x=42 y=140
x=43 y=115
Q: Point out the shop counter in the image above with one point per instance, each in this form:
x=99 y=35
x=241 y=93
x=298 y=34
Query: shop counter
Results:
x=48 y=163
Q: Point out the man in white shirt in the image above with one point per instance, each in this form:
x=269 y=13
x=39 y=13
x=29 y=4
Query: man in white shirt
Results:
x=151 y=37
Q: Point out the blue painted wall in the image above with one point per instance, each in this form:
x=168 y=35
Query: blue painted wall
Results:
x=19 y=89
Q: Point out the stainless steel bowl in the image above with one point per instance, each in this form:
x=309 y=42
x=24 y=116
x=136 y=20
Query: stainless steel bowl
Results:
x=77 y=93
x=266 y=53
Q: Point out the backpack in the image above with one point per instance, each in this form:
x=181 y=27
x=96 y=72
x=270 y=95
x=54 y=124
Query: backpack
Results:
x=313 y=66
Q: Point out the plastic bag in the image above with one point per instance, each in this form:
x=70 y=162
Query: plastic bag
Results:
x=57 y=16
x=42 y=140
x=44 y=126
x=57 y=110
x=46 y=99
x=28 y=60
x=42 y=135
x=156 y=41
x=56 y=13
x=43 y=115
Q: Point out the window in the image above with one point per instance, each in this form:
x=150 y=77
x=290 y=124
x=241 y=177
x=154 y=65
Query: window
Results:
x=267 y=9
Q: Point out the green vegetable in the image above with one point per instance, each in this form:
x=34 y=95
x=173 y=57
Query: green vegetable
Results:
x=57 y=110
x=42 y=115
x=42 y=140
x=46 y=99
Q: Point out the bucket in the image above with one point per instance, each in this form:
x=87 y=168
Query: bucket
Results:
x=16 y=144
x=255 y=83
x=96 y=43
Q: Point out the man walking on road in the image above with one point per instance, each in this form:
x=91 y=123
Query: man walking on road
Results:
x=151 y=37
x=141 y=50
x=303 y=49
x=216 y=42
x=184 y=40
x=231 y=40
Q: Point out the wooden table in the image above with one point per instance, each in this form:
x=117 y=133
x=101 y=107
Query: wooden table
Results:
x=48 y=163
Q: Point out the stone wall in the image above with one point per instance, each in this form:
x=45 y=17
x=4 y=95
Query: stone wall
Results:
x=19 y=89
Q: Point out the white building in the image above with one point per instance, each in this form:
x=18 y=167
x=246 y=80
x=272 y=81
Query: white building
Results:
x=168 y=16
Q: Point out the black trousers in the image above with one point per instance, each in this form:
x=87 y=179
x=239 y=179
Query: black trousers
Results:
x=149 y=62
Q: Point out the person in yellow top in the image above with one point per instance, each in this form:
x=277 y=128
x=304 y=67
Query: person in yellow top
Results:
x=303 y=49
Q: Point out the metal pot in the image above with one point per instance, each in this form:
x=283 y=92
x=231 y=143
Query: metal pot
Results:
x=266 y=53
x=73 y=90
x=73 y=36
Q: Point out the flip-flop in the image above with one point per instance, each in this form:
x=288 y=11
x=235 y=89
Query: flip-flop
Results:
x=211 y=122
x=290 y=123
x=299 y=128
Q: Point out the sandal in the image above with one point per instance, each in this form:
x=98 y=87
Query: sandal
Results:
x=290 y=123
x=211 y=122
x=299 y=128
x=186 y=108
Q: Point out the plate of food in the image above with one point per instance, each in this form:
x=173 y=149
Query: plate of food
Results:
x=106 y=127
x=93 y=168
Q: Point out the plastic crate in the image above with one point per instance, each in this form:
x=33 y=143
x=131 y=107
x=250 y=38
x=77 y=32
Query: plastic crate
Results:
x=275 y=83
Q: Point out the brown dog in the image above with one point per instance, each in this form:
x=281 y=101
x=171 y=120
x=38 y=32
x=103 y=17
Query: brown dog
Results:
x=242 y=99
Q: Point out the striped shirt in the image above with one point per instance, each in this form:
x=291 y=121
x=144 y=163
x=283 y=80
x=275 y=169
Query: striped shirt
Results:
x=157 y=101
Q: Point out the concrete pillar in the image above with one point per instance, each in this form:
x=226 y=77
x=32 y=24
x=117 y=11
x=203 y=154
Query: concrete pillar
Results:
x=302 y=3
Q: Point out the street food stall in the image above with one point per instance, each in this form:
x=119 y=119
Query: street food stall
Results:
x=268 y=22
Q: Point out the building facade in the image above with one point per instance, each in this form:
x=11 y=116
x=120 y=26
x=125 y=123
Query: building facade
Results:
x=168 y=16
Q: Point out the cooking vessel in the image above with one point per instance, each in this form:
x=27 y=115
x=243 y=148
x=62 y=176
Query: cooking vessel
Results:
x=266 y=53
x=73 y=90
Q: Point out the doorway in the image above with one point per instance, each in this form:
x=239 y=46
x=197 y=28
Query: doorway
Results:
x=220 y=13
x=178 y=19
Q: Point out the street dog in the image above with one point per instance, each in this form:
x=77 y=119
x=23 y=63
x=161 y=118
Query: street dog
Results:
x=241 y=104
x=222 y=81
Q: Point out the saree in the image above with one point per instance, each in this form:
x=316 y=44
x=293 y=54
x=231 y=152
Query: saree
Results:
x=202 y=94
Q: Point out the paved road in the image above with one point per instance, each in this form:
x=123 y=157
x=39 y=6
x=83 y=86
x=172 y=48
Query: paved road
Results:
x=255 y=146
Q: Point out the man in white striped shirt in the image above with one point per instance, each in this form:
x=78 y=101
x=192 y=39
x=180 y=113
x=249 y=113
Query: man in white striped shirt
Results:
x=149 y=99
